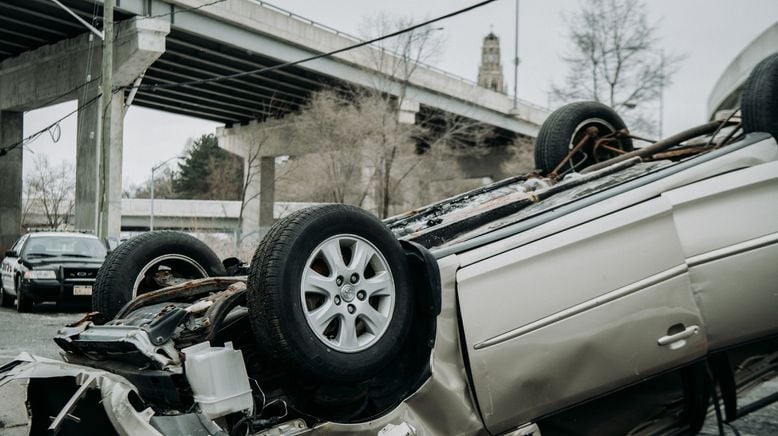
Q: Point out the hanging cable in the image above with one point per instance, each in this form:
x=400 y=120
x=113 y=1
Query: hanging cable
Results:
x=52 y=128
x=153 y=87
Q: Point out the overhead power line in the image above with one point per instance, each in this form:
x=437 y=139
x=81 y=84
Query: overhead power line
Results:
x=152 y=87
x=4 y=150
x=182 y=10
x=50 y=128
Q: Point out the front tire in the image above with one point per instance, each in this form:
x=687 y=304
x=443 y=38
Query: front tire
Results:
x=24 y=303
x=329 y=294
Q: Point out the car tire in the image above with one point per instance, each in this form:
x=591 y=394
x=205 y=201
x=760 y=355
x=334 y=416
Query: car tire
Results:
x=130 y=269
x=566 y=126
x=24 y=303
x=759 y=101
x=6 y=300
x=293 y=279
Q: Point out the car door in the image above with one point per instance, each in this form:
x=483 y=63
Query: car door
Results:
x=9 y=262
x=577 y=314
x=728 y=228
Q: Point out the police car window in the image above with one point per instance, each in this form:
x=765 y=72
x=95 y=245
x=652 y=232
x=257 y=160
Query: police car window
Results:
x=18 y=245
x=66 y=246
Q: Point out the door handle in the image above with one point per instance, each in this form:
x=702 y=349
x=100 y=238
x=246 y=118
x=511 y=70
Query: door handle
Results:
x=676 y=340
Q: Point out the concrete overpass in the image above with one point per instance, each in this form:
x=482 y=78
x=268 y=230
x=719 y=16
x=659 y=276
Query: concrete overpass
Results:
x=47 y=56
x=726 y=93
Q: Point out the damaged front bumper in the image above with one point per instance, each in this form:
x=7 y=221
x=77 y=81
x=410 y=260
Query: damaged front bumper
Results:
x=94 y=398
x=133 y=370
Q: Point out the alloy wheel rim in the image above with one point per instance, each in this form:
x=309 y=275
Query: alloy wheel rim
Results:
x=347 y=293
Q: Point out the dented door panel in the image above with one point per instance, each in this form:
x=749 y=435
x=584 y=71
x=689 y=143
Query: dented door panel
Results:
x=603 y=292
x=591 y=353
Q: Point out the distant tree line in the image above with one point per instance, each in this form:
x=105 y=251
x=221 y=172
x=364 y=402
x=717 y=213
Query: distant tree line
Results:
x=206 y=172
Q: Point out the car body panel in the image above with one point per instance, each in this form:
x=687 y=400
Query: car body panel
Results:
x=114 y=392
x=599 y=293
x=569 y=209
x=736 y=310
x=8 y=266
x=725 y=210
x=728 y=227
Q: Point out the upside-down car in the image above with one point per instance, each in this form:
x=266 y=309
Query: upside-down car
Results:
x=617 y=290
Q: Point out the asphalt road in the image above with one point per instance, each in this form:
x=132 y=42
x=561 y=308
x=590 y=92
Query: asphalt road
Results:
x=32 y=332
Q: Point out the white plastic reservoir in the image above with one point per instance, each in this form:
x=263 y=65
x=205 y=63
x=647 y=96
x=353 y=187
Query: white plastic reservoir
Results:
x=218 y=379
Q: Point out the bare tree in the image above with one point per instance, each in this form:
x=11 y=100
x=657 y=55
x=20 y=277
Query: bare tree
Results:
x=50 y=190
x=398 y=59
x=250 y=172
x=614 y=58
x=342 y=129
x=251 y=167
x=366 y=154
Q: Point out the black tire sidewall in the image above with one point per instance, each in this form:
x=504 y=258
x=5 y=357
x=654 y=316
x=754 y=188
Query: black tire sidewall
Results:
x=23 y=301
x=116 y=278
x=301 y=347
x=556 y=133
x=759 y=101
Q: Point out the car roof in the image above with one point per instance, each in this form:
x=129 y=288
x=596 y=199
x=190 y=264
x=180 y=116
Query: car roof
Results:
x=71 y=234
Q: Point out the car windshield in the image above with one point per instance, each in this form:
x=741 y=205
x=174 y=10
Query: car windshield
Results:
x=65 y=246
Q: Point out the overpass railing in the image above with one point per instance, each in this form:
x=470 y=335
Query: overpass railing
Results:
x=356 y=39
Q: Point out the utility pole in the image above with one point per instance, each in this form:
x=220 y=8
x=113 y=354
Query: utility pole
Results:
x=106 y=89
x=516 y=62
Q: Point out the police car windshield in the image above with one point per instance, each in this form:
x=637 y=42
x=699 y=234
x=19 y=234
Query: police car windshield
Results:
x=67 y=246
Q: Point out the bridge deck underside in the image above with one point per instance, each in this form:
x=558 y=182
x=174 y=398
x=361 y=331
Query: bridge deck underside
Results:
x=28 y=24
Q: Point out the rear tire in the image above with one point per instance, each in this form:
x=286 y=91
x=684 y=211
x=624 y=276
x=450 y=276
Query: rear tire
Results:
x=132 y=269
x=565 y=127
x=759 y=101
x=307 y=318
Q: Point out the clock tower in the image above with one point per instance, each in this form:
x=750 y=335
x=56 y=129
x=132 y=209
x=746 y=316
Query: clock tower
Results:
x=490 y=71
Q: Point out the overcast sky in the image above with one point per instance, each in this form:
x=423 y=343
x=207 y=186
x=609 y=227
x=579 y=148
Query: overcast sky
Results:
x=709 y=32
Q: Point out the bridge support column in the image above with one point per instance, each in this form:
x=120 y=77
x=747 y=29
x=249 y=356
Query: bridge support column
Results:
x=59 y=72
x=260 y=197
x=10 y=179
x=259 y=144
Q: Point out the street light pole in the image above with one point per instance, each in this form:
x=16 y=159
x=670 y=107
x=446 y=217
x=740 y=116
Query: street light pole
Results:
x=151 y=217
x=153 y=169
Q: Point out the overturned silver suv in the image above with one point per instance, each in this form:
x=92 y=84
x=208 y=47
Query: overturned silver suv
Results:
x=618 y=290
